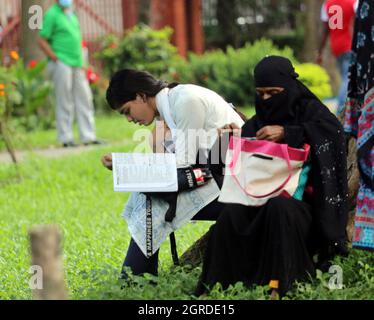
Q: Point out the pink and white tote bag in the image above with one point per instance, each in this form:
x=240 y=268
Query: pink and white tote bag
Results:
x=257 y=170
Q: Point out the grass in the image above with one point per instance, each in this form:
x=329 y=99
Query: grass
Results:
x=110 y=127
x=75 y=192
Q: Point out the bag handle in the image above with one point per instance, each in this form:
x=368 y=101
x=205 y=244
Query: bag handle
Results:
x=236 y=152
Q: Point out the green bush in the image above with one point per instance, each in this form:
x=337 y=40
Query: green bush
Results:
x=316 y=79
x=141 y=48
x=230 y=73
x=24 y=97
x=99 y=96
x=27 y=94
x=293 y=38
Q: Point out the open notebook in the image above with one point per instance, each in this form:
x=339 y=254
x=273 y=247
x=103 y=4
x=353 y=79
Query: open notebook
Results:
x=144 y=172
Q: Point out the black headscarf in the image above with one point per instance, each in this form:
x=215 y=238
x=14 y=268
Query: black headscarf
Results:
x=307 y=120
x=276 y=72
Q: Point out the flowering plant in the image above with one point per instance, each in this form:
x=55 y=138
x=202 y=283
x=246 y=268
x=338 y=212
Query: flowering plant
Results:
x=23 y=93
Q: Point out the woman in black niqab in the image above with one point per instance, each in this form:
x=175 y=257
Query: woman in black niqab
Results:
x=276 y=242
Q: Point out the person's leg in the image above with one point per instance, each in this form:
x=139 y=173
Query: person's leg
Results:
x=285 y=236
x=138 y=262
x=83 y=101
x=343 y=63
x=226 y=252
x=264 y=245
x=62 y=77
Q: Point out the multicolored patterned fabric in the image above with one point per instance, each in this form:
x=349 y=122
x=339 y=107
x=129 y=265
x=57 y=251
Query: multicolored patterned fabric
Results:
x=359 y=120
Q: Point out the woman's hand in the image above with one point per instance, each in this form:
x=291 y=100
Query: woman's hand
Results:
x=231 y=128
x=271 y=133
x=107 y=161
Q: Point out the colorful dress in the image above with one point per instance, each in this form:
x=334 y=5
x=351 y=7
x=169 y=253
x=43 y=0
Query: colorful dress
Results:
x=359 y=120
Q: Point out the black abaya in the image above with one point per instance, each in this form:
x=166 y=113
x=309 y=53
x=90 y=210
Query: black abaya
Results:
x=277 y=241
x=255 y=245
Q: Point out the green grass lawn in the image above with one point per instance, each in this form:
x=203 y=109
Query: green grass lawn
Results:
x=76 y=193
x=110 y=127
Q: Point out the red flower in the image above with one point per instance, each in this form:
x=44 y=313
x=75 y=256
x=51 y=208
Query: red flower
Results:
x=92 y=76
x=32 y=64
x=113 y=46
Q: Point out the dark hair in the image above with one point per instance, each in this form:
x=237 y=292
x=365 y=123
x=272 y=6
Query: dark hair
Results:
x=127 y=83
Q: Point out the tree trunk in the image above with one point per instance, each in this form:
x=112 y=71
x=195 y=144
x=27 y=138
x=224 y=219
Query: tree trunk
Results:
x=313 y=34
x=195 y=254
x=46 y=258
x=353 y=184
x=313 y=28
x=5 y=135
x=227 y=14
x=29 y=45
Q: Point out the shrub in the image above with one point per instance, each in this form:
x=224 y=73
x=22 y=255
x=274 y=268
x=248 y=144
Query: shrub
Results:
x=230 y=73
x=316 y=79
x=293 y=39
x=27 y=93
x=99 y=96
x=24 y=93
x=141 y=48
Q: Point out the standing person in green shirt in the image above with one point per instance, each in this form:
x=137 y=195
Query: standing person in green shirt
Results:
x=61 y=40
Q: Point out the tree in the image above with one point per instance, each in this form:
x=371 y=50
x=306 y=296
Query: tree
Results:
x=227 y=15
x=313 y=29
x=239 y=21
x=32 y=13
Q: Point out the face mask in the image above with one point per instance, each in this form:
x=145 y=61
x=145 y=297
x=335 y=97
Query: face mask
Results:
x=274 y=110
x=66 y=3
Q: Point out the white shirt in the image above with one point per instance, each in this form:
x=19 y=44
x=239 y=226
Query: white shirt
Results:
x=196 y=108
x=191 y=107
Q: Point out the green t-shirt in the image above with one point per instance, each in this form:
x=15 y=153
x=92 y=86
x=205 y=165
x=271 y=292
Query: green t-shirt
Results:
x=62 y=31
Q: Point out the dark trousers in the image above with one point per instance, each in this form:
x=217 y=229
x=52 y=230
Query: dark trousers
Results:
x=139 y=263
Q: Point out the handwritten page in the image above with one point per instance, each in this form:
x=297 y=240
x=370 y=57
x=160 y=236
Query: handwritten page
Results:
x=144 y=172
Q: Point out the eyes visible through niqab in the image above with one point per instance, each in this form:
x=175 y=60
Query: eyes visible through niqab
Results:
x=267 y=93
